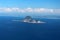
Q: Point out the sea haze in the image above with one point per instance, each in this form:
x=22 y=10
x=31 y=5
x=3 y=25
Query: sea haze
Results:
x=16 y=30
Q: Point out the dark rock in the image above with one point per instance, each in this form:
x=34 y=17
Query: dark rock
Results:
x=28 y=17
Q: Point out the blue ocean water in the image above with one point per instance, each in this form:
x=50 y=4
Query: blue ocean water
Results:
x=15 y=30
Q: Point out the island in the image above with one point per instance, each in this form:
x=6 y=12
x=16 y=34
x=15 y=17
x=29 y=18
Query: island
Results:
x=29 y=19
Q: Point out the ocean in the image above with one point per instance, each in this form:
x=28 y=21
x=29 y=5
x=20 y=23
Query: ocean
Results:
x=16 y=30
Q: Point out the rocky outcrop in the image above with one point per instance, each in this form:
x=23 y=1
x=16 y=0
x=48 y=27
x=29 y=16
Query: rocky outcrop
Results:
x=29 y=19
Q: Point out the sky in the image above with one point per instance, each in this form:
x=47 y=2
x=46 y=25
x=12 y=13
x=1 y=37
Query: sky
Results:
x=30 y=3
x=30 y=6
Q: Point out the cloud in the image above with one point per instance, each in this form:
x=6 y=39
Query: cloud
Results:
x=34 y=10
x=56 y=10
x=7 y=9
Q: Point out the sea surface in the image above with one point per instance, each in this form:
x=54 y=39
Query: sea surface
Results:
x=16 y=30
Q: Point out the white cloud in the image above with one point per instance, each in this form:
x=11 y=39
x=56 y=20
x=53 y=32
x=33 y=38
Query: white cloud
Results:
x=7 y=9
x=29 y=10
x=37 y=10
x=56 y=10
